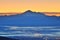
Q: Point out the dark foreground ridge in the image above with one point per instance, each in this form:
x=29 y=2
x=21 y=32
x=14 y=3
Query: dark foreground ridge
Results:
x=28 y=38
x=37 y=38
x=5 y=38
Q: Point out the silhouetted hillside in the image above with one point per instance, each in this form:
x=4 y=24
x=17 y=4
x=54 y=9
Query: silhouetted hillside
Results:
x=5 y=38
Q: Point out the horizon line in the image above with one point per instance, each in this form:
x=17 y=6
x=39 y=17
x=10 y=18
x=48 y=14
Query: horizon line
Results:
x=30 y=10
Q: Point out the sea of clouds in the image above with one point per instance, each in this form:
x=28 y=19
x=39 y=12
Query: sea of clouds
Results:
x=29 y=31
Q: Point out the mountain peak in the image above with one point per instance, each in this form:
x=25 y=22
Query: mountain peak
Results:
x=28 y=11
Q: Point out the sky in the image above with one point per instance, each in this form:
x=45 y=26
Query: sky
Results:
x=34 y=5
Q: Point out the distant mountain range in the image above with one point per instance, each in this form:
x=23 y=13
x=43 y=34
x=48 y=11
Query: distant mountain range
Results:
x=30 y=18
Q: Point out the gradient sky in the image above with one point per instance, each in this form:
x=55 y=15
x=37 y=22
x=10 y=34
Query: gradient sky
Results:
x=34 y=5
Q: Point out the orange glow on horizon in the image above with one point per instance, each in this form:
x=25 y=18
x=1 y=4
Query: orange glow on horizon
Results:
x=52 y=13
x=19 y=6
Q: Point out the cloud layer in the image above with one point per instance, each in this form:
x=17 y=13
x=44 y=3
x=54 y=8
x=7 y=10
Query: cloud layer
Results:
x=29 y=31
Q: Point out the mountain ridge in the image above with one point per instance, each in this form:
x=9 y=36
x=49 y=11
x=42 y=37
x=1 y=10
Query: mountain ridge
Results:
x=44 y=13
x=30 y=19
